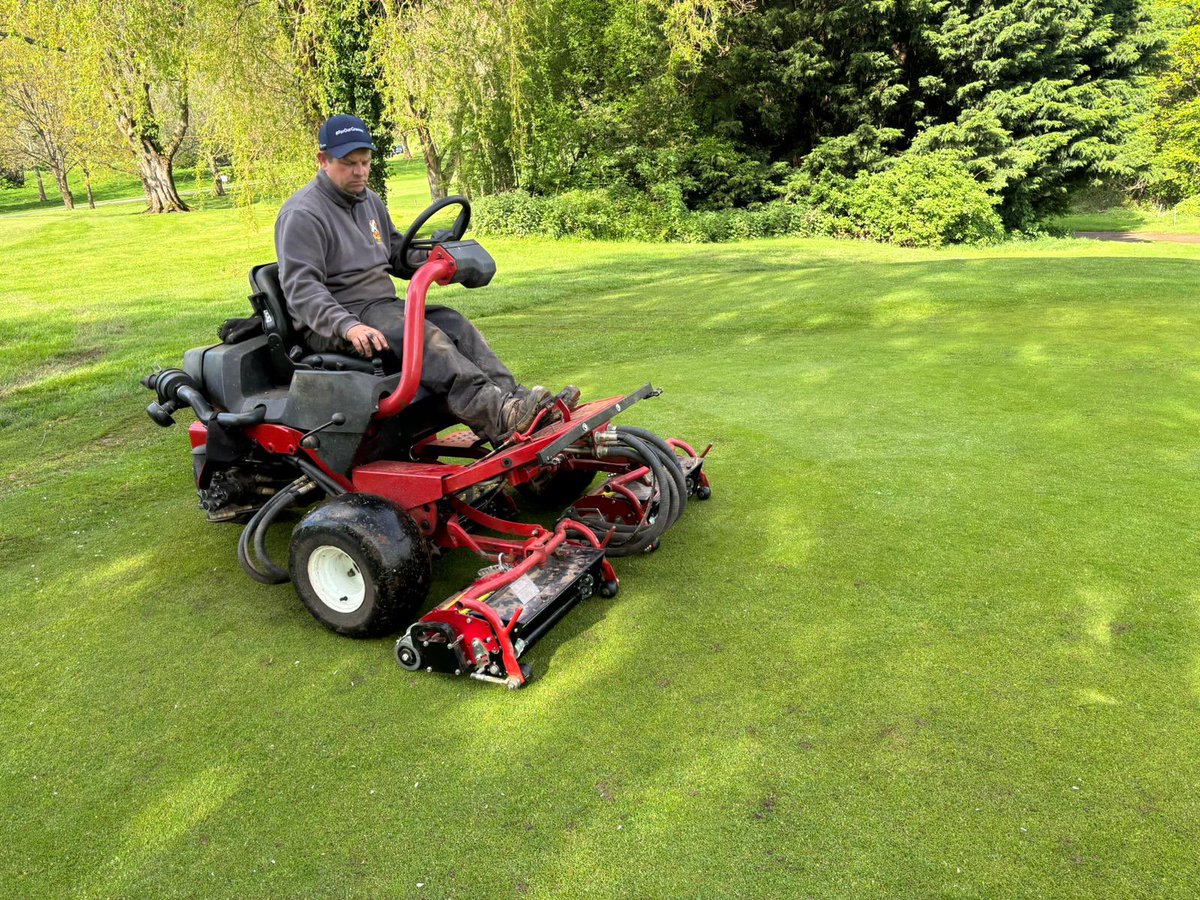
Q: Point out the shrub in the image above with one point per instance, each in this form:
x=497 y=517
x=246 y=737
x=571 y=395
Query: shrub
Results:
x=513 y=212
x=12 y=177
x=920 y=201
x=1189 y=206
x=923 y=200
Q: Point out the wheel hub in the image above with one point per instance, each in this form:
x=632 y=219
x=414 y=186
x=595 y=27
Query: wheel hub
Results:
x=335 y=578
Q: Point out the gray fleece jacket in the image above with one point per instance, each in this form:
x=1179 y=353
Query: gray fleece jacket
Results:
x=336 y=254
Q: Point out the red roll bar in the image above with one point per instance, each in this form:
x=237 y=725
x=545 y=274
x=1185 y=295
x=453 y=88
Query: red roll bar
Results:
x=439 y=269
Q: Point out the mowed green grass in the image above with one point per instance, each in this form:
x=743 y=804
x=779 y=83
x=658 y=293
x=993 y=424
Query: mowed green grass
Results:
x=106 y=185
x=1128 y=218
x=936 y=633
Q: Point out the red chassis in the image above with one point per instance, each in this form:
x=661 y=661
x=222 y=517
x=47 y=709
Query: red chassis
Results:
x=539 y=573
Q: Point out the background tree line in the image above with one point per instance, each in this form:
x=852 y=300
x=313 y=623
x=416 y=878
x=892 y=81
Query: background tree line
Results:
x=987 y=116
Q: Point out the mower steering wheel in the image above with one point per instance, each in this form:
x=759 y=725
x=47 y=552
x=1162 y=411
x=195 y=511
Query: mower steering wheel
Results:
x=410 y=243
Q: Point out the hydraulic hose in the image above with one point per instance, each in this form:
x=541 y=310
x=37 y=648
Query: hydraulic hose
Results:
x=324 y=482
x=671 y=497
x=260 y=567
x=628 y=540
x=669 y=487
x=670 y=461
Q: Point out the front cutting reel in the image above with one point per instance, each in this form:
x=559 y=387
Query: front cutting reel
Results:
x=483 y=631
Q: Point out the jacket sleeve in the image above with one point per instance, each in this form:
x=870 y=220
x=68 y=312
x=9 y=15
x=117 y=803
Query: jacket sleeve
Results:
x=301 y=244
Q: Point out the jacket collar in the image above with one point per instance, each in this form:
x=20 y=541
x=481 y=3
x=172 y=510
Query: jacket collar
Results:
x=342 y=198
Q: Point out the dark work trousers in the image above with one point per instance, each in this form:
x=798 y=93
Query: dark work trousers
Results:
x=458 y=362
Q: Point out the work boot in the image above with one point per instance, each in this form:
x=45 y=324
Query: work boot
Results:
x=519 y=410
x=569 y=396
x=521 y=391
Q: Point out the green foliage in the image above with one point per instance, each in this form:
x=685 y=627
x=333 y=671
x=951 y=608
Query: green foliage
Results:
x=595 y=214
x=924 y=200
x=1169 y=139
x=796 y=99
x=1036 y=93
x=704 y=105
x=1189 y=207
x=555 y=95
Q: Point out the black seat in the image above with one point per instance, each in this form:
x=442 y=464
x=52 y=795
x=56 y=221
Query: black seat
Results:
x=426 y=415
x=288 y=351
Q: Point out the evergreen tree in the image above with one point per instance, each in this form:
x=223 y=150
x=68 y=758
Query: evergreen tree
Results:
x=1035 y=94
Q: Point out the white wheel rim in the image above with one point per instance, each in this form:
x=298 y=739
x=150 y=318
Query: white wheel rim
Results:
x=336 y=580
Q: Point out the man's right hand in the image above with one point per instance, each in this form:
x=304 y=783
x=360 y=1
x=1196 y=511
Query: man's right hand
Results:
x=367 y=341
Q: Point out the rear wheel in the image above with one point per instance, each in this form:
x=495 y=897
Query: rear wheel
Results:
x=360 y=564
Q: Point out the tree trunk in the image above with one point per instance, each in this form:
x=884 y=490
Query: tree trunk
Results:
x=60 y=179
x=158 y=181
x=87 y=183
x=433 y=164
x=136 y=121
x=405 y=146
x=41 y=187
x=218 y=184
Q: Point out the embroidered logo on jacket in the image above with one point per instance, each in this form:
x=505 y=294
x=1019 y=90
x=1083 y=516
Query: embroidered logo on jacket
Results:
x=375 y=232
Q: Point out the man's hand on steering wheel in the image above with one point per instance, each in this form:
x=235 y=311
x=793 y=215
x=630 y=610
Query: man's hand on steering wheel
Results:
x=367 y=341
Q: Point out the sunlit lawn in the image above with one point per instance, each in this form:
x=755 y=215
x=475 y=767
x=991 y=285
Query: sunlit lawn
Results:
x=935 y=634
x=1128 y=218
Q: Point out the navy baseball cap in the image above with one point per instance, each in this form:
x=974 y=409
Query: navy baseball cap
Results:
x=341 y=134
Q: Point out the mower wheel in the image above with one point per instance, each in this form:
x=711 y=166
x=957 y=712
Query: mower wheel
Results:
x=408 y=655
x=360 y=564
x=559 y=488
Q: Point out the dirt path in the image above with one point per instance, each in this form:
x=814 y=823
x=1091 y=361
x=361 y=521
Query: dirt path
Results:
x=1139 y=237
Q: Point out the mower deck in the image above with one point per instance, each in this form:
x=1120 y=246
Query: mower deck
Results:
x=456 y=640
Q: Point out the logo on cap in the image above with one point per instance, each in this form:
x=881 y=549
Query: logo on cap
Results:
x=341 y=134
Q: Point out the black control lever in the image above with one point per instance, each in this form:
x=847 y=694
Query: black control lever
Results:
x=335 y=419
x=162 y=413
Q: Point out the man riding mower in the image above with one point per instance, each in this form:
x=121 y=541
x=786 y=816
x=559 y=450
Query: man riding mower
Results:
x=282 y=424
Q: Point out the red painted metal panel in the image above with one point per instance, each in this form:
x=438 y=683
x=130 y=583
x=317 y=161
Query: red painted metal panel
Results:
x=275 y=438
x=407 y=483
x=197 y=434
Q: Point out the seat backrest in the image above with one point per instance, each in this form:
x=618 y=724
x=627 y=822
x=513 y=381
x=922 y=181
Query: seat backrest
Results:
x=289 y=350
x=268 y=302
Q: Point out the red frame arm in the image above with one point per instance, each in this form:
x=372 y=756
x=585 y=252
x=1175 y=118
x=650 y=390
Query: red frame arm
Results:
x=439 y=269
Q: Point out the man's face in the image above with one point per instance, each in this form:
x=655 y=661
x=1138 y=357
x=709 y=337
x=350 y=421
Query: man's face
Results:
x=350 y=172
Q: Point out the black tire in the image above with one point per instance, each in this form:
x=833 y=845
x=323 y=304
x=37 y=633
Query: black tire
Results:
x=372 y=553
x=559 y=489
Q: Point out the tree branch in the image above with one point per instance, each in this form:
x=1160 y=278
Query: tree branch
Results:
x=33 y=42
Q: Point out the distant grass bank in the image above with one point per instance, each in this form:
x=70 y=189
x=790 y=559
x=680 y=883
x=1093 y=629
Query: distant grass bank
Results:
x=109 y=185
x=1130 y=219
x=106 y=185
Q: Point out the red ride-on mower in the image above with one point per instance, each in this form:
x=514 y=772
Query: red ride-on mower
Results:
x=280 y=426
